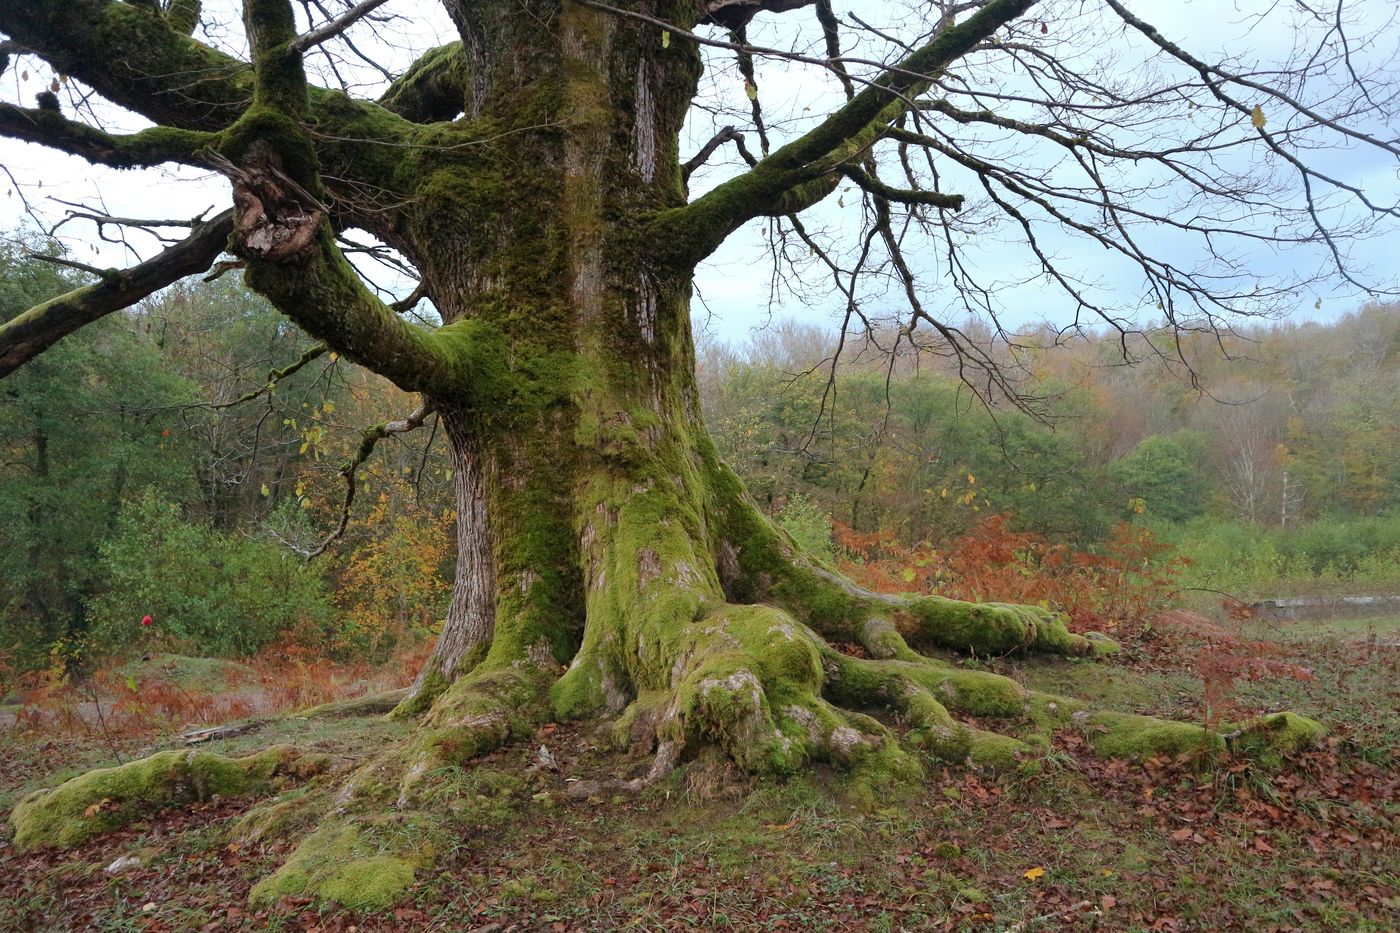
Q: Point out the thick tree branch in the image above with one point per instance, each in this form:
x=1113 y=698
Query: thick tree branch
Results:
x=433 y=89
x=34 y=331
x=132 y=56
x=282 y=231
x=696 y=230
x=154 y=146
x=129 y=54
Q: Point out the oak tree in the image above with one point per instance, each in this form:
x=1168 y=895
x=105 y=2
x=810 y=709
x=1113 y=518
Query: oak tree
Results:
x=535 y=175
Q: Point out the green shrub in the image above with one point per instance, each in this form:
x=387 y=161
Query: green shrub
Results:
x=809 y=526
x=209 y=593
x=1163 y=474
x=1252 y=562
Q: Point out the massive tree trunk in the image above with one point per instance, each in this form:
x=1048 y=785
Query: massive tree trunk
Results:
x=598 y=530
x=609 y=563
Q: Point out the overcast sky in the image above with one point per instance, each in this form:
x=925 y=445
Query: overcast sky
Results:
x=735 y=284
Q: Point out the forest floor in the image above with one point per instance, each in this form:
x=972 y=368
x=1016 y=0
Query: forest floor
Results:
x=1071 y=842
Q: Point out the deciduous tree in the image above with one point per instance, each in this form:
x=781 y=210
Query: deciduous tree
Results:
x=531 y=172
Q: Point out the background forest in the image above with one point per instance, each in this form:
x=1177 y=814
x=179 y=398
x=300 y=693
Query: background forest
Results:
x=152 y=465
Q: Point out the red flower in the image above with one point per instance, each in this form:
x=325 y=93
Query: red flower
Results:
x=146 y=620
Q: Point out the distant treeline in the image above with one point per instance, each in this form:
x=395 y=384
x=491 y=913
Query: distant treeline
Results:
x=1276 y=426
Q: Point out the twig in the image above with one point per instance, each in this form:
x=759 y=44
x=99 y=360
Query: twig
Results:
x=336 y=26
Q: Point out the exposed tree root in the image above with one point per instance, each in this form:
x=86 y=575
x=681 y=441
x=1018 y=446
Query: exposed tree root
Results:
x=775 y=697
x=107 y=798
x=750 y=680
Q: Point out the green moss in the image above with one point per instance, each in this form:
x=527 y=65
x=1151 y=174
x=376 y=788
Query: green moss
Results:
x=107 y=798
x=882 y=640
x=1101 y=646
x=435 y=87
x=882 y=774
x=366 y=865
x=994 y=628
x=1123 y=735
x=579 y=693
x=978 y=693
x=990 y=750
x=283 y=135
x=182 y=15
x=419 y=701
x=1048 y=712
x=369 y=882
x=1269 y=738
x=281 y=816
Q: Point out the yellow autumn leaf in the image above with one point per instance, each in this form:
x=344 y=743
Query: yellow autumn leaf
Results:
x=1256 y=116
x=1034 y=873
x=750 y=89
x=971 y=480
x=334 y=356
x=328 y=406
x=665 y=39
x=265 y=490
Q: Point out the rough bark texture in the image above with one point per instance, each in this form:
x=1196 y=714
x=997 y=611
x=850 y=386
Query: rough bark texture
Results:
x=610 y=565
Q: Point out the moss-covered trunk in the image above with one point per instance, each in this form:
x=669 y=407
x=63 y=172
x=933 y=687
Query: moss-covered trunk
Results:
x=582 y=375
x=605 y=552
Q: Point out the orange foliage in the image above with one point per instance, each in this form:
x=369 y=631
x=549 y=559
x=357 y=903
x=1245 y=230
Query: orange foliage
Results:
x=1222 y=658
x=107 y=706
x=1119 y=587
x=393 y=585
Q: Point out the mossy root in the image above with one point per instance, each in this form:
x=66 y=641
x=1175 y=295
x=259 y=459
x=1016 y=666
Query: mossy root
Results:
x=108 y=798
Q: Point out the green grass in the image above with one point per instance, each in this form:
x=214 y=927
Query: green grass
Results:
x=1384 y=628
x=197 y=675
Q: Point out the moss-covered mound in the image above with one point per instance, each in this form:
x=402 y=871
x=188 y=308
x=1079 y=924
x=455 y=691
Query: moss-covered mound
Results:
x=102 y=800
x=1269 y=738
x=365 y=864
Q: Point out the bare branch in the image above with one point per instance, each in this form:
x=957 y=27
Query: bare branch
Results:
x=368 y=440
x=697 y=229
x=902 y=195
x=26 y=336
x=336 y=26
